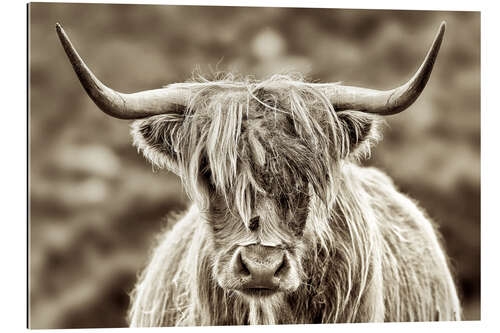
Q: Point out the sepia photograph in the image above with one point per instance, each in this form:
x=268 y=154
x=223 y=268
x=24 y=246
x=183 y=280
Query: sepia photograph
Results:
x=195 y=165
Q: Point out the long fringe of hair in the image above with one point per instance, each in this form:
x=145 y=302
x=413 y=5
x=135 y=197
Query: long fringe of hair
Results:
x=217 y=134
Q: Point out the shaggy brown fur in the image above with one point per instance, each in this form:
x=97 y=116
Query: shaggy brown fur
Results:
x=358 y=249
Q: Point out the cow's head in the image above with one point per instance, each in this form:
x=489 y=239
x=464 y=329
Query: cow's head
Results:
x=258 y=158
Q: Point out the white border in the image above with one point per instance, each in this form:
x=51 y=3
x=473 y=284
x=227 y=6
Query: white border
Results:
x=13 y=194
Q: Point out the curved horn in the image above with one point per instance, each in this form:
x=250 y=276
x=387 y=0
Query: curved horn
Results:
x=385 y=102
x=119 y=105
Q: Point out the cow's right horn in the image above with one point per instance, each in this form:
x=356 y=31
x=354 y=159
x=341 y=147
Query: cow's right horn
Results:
x=123 y=106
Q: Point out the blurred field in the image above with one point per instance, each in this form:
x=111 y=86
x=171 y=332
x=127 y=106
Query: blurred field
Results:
x=96 y=205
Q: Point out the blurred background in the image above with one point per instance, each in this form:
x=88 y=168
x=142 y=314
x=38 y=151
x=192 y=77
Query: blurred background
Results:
x=96 y=205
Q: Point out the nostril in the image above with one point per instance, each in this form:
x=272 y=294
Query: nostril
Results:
x=282 y=267
x=241 y=267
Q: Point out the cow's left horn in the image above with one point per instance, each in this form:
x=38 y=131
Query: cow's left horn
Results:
x=123 y=106
x=385 y=102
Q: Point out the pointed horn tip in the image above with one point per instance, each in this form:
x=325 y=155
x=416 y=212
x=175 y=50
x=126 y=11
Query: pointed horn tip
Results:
x=442 y=28
x=60 y=31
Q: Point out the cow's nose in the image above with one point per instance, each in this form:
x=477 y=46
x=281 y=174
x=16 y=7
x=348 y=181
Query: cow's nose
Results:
x=261 y=266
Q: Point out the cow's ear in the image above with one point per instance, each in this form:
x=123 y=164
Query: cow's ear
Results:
x=156 y=138
x=359 y=132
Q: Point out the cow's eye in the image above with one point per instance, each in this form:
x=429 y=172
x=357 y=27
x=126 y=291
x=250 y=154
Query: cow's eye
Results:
x=283 y=201
x=206 y=175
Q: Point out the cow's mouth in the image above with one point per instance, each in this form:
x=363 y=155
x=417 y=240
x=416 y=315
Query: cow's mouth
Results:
x=258 y=292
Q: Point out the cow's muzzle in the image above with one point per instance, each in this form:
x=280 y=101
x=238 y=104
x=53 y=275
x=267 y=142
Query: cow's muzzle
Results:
x=262 y=270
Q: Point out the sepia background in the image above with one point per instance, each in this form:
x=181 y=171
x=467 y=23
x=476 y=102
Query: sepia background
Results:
x=96 y=205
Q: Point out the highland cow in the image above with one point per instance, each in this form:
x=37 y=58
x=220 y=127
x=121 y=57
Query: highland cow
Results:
x=285 y=225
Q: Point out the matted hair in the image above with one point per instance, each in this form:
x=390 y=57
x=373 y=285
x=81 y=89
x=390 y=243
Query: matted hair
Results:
x=275 y=136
